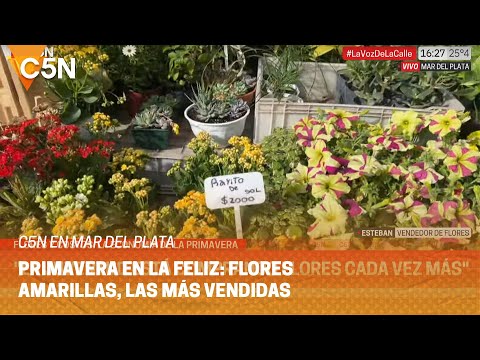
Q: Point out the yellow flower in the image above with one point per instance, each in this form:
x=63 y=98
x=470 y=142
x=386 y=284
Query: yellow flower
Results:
x=30 y=227
x=175 y=128
x=331 y=218
x=141 y=194
x=406 y=121
x=92 y=223
x=442 y=124
x=194 y=228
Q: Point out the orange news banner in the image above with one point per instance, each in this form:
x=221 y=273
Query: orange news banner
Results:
x=323 y=282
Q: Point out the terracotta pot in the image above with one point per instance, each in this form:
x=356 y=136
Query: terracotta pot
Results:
x=249 y=97
x=134 y=102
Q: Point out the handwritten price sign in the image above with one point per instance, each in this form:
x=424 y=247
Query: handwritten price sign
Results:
x=239 y=189
x=234 y=191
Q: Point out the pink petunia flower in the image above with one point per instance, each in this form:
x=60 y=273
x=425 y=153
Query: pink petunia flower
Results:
x=462 y=161
x=424 y=174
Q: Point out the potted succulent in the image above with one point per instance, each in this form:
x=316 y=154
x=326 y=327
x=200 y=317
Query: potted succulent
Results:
x=220 y=114
x=151 y=127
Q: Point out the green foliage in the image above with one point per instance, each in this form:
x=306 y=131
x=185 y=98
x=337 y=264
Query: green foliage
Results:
x=186 y=63
x=286 y=218
x=166 y=100
x=82 y=96
x=282 y=154
x=283 y=71
x=382 y=83
x=18 y=203
x=147 y=69
x=469 y=87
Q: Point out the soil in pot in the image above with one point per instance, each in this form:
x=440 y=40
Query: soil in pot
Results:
x=193 y=115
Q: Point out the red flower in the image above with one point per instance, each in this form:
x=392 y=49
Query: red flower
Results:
x=36 y=145
x=61 y=134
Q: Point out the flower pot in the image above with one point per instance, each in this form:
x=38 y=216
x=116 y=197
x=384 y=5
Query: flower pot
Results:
x=220 y=132
x=152 y=139
x=249 y=97
x=134 y=102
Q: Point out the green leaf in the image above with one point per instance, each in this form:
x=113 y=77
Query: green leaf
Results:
x=470 y=83
x=71 y=113
x=87 y=89
x=424 y=94
x=60 y=89
x=90 y=99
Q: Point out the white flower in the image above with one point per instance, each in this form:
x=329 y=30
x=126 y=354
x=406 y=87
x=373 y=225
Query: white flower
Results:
x=129 y=50
x=81 y=198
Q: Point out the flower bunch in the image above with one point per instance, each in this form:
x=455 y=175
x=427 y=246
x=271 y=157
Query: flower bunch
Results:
x=162 y=221
x=89 y=57
x=195 y=228
x=74 y=223
x=96 y=147
x=60 y=197
x=31 y=227
x=188 y=218
x=138 y=189
x=194 y=204
x=208 y=160
x=47 y=148
x=128 y=161
x=415 y=169
x=102 y=123
x=242 y=156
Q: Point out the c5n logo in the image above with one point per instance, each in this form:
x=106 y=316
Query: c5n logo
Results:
x=29 y=61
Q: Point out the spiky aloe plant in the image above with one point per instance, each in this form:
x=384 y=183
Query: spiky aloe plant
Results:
x=207 y=108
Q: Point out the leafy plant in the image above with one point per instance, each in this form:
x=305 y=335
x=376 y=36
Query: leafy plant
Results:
x=87 y=92
x=282 y=71
x=282 y=155
x=290 y=218
x=144 y=69
x=160 y=101
x=18 y=203
x=207 y=160
x=382 y=83
x=469 y=87
x=186 y=63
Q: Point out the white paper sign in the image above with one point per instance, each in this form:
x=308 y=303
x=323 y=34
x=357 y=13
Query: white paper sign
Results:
x=234 y=190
